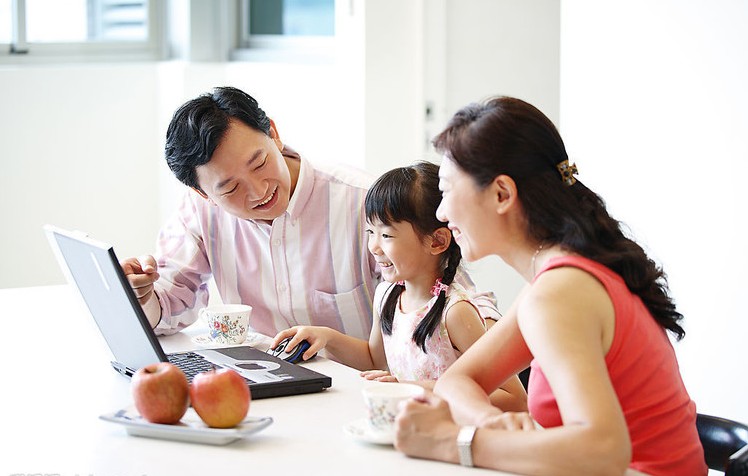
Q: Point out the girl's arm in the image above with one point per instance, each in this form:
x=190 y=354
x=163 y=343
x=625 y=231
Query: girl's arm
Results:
x=345 y=349
x=567 y=320
x=350 y=351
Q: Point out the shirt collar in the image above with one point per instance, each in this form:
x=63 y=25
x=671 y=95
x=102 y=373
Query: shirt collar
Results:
x=304 y=186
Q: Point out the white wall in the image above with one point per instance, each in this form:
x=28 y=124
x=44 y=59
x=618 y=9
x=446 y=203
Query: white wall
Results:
x=654 y=110
x=77 y=149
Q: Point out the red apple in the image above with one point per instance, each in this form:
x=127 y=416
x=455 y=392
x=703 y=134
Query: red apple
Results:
x=221 y=397
x=161 y=392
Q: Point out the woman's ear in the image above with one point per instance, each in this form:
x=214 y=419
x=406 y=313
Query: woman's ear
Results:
x=275 y=136
x=440 y=240
x=505 y=192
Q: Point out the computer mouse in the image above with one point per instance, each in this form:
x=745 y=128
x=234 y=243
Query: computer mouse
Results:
x=295 y=356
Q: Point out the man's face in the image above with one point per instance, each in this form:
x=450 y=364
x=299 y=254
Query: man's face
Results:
x=247 y=175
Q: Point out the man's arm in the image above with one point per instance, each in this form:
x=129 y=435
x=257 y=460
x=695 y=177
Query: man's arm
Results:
x=183 y=269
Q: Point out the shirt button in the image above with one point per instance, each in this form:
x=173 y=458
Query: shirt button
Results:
x=282 y=288
x=277 y=242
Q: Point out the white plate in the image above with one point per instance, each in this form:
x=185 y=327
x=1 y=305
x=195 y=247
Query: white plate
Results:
x=361 y=431
x=191 y=428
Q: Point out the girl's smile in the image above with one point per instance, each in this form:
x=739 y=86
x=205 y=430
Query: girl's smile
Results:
x=401 y=253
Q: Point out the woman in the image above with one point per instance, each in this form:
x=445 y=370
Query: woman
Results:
x=592 y=322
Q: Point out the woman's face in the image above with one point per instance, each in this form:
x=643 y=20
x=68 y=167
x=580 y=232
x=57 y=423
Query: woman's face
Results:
x=469 y=210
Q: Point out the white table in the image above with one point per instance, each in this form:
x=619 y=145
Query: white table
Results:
x=57 y=380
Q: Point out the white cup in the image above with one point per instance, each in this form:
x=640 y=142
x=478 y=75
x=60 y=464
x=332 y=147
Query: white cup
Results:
x=227 y=323
x=382 y=402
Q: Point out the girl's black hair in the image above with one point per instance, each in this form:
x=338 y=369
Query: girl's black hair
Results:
x=411 y=194
x=507 y=136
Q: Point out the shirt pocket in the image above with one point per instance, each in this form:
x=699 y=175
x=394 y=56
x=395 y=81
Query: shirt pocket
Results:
x=348 y=312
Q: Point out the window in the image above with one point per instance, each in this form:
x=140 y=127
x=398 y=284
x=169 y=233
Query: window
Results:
x=82 y=29
x=291 y=17
x=299 y=30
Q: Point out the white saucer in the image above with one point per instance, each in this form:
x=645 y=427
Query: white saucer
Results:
x=361 y=431
x=204 y=340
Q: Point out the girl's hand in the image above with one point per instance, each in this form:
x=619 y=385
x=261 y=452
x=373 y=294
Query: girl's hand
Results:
x=378 y=375
x=425 y=429
x=317 y=337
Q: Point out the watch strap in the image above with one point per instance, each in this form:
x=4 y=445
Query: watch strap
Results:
x=465 y=445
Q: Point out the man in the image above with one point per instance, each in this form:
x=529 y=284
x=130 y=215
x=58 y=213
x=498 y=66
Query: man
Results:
x=274 y=231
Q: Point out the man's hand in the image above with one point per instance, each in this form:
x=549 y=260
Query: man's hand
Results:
x=142 y=272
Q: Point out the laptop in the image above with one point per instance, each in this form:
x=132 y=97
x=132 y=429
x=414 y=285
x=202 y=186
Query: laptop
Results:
x=93 y=268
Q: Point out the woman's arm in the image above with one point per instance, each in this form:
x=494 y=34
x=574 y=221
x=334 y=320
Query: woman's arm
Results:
x=465 y=327
x=482 y=369
x=566 y=319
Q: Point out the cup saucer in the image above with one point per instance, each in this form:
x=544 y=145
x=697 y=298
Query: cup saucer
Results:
x=204 y=340
x=361 y=431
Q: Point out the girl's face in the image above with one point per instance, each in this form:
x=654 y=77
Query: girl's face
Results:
x=469 y=210
x=400 y=251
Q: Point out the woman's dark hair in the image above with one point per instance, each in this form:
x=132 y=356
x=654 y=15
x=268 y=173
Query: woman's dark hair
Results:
x=507 y=136
x=198 y=126
x=411 y=194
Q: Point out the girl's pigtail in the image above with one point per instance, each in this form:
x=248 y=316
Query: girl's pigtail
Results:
x=431 y=320
x=388 y=308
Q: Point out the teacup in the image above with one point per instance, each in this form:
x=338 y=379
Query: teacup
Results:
x=227 y=323
x=382 y=402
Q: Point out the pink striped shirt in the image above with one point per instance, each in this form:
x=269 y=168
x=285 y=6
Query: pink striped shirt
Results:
x=310 y=266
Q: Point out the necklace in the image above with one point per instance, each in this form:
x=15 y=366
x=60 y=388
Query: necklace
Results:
x=537 y=251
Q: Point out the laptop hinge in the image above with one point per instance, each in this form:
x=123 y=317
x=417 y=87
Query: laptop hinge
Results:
x=123 y=369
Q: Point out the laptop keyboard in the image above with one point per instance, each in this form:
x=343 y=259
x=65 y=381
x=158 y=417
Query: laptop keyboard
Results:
x=190 y=363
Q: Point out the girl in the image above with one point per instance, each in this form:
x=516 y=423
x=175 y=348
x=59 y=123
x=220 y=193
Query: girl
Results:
x=423 y=320
x=592 y=322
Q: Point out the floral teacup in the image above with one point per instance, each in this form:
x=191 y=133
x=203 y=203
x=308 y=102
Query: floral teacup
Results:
x=227 y=323
x=382 y=402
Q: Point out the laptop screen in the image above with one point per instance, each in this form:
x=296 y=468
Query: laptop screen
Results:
x=94 y=269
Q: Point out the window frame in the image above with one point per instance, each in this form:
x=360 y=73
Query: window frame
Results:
x=20 y=51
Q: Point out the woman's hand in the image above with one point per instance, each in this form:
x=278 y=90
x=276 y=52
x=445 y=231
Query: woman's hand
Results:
x=510 y=421
x=425 y=429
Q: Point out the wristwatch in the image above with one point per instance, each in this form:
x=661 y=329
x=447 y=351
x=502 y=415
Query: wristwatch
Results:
x=465 y=445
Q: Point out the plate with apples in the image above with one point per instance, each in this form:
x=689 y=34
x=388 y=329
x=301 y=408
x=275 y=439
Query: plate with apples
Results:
x=212 y=409
x=190 y=428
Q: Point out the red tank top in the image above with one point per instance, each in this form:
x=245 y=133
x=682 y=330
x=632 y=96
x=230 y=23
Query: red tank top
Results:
x=642 y=365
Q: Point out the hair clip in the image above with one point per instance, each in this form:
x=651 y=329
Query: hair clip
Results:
x=567 y=172
x=439 y=287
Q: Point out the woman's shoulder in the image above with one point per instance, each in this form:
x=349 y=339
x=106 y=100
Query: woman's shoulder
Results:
x=571 y=261
x=565 y=297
